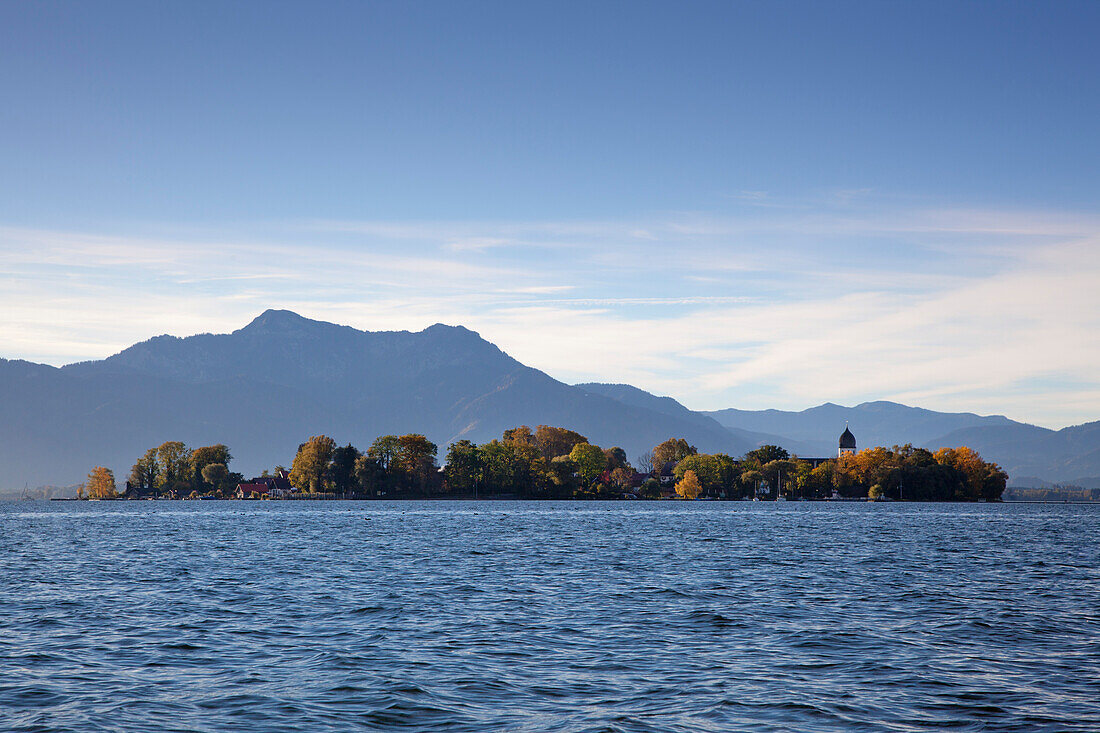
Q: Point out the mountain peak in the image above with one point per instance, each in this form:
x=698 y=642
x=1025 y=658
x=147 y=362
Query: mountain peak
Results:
x=274 y=320
x=444 y=328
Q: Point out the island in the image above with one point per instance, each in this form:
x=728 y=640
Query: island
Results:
x=557 y=463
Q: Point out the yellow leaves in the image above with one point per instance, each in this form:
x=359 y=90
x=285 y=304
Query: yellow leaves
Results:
x=689 y=486
x=101 y=483
x=310 y=463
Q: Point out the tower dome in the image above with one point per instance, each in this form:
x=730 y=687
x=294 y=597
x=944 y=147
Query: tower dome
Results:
x=847 y=442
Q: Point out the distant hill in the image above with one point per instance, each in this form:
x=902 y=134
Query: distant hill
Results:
x=630 y=395
x=1022 y=450
x=1070 y=455
x=266 y=387
x=873 y=423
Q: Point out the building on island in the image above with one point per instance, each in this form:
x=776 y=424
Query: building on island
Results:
x=847 y=443
x=847 y=446
x=255 y=490
x=267 y=487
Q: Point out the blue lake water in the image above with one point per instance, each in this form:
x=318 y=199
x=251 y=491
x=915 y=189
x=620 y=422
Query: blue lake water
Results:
x=627 y=616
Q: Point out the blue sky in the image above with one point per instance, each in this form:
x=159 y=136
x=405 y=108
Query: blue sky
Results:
x=738 y=204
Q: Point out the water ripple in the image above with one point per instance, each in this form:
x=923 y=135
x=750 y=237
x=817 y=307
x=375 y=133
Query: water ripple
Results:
x=462 y=616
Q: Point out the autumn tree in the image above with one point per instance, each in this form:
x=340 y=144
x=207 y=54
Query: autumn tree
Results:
x=522 y=435
x=672 y=450
x=416 y=460
x=871 y=466
x=645 y=462
x=616 y=458
x=553 y=442
x=311 y=462
x=905 y=472
x=689 y=486
x=982 y=479
x=846 y=476
x=705 y=467
x=101 y=484
x=820 y=481
x=716 y=473
x=622 y=479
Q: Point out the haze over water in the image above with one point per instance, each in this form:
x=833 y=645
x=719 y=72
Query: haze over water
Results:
x=466 y=616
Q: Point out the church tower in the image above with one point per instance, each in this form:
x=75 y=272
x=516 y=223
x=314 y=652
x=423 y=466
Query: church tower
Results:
x=847 y=443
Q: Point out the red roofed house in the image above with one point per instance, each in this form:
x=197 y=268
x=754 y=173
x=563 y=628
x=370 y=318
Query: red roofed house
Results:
x=253 y=491
x=268 y=487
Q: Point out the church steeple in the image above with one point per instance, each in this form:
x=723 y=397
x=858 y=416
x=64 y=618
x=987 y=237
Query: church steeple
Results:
x=847 y=442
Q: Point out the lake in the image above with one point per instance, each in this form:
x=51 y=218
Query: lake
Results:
x=553 y=616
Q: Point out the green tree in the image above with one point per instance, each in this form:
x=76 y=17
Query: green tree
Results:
x=145 y=472
x=311 y=462
x=765 y=454
x=780 y=474
x=707 y=470
x=820 y=481
x=203 y=457
x=341 y=471
x=651 y=488
x=464 y=468
x=749 y=481
x=173 y=466
x=590 y=460
x=384 y=450
x=514 y=467
x=563 y=473
x=370 y=475
x=215 y=474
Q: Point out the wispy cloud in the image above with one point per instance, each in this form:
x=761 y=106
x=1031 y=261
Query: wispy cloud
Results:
x=785 y=306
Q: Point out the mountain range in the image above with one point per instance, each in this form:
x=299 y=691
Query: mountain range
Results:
x=266 y=387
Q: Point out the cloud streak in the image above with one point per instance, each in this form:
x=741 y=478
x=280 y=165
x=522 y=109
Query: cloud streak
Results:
x=776 y=306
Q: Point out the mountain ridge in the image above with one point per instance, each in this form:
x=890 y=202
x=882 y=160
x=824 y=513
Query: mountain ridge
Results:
x=266 y=386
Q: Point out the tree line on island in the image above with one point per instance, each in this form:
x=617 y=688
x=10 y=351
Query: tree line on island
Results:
x=558 y=463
